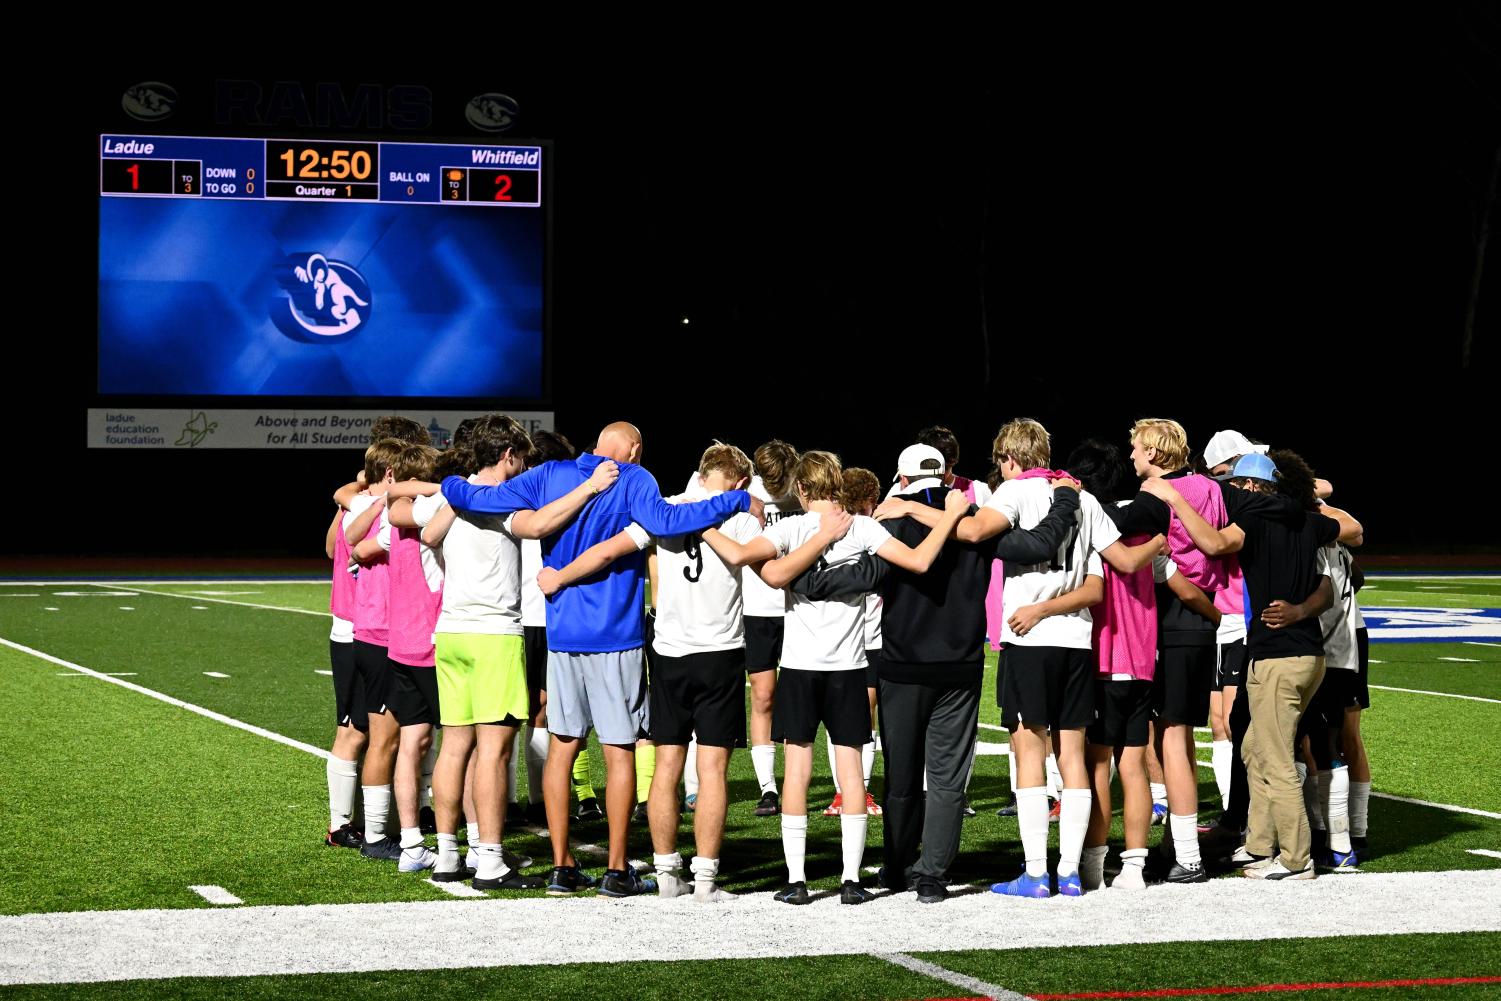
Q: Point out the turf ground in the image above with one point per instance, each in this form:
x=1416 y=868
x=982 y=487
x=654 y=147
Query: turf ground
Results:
x=118 y=799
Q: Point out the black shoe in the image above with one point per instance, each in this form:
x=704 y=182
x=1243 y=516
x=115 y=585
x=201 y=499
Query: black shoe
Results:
x=513 y=881
x=625 y=883
x=1009 y=810
x=892 y=881
x=638 y=815
x=515 y=814
x=589 y=810
x=965 y=809
x=458 y=875
x=1182 y=874
x=853 y=893
x=568 y=879
x=795 y=893
x=386 y=849
x=511 y=860
x=1358 y=845
x=536 y=814
x=427 y=823
x=769 y=806
x=1318 y=843
x=931 y=891
x=347 y=836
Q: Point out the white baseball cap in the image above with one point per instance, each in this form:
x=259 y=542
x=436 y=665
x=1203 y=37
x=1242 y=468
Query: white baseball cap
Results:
x=1226 y=445
x=920 y=461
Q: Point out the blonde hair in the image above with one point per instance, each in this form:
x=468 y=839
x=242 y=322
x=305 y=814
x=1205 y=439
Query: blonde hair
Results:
x=729 y=460
x=819 y=475
x=861 y=490
x=1166 y=437
x=1025 y=442
x=775 y=462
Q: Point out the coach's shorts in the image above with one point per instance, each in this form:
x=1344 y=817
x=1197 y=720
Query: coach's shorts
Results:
x=763 y=643
x=413 y=695
x=349 y=688
x=1123 y=710
x=1047 y=686
x=873 y=668
x=1180 y=688
x=535 y=640
x=1363 y=681
x=605 y=692
x=1230 y=665
x=699 y=694
x=837 y=699
x=373 y=667
x=481 y=679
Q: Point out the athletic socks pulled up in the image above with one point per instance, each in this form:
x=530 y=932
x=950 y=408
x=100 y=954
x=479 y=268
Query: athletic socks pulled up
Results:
x=1184 y=829
x=795 y=846
x=1335 y=792
x=1032 y=818
x=377 y=806
x=1159 y=794
x=852 y=827
x=764 y=760
x=343 y=780
x=1360 y=799
x=1221 y=756
x=1073 y=821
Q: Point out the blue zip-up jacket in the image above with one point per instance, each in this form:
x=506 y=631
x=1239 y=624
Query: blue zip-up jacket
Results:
x=602 y=613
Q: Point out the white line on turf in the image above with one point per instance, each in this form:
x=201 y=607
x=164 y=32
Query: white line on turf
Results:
x=1483 y=851
x=1404 y=576
x=179 y=703
x=216 y=895
x=326 y=674
x=244 y=604
x=49 y=608
x=112 y=674
x=983 y=747
x=456 y=889
x=993 y=991
x=992 y=726
x=267 y=940
x=1461 y=660
x=200 y=608
x=20 y=595
x=127 y=608
x=214 y=674
x=94 y=594
x=1447 y=695
x=1480 y=643
x=1438 y=806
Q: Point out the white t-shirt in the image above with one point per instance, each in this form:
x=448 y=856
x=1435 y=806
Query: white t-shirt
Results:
x=699 y=600
x=432 y=563
x=482 y=592
x=825 y=635
x=760 y=599
x=1025 y=503
x=533 y=601
x=1340 y=620
x=873 y=621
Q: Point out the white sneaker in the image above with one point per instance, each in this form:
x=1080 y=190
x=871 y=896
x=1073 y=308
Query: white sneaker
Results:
x=708 y=893
x=1274 y=869
x=1131 y=877
x=416 y=859
x=672 y=884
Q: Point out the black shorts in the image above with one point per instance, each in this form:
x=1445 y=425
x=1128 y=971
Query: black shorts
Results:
x=1363 y=676
x=349 y=688
x=837 y=699
x=1230 y=667
x=1180 y=690
x=763 y=643
x=1337 y=692
x=702 y=695
x=413 y=696
x=873 y=668
x=1123 y=710
x=374 y=670
x=534 y=645
x=1047 y=685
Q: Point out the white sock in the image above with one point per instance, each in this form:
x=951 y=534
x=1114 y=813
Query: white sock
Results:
x=705 y=870
x=1073 y=821
x=1159 y=794
x=852 y=836
x=512 y=775
x=411 y=837
x=1134 y=857
x=1337 y=807
x=488 y=863
x=536 y=758
x=1092 y=867
x=1055 y=778
x=1184 y=828
x=1223 y=751
x=1360 y=800
x=1011 y=770
x=868 y=759
x=795 y=846
x=833 y=768
x=764 y=761
x=1310 y=796
x=448 y=852
x=1321 y=784
x=425 y=787
x=1032 y=818
x=668 y=863
x=377 y=806
x=690 y=769
x=343 y=779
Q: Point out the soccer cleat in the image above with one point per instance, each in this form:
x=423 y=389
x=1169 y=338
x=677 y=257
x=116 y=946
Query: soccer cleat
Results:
x=691 y=803
x=588 y=810
x=1070 y=886
x=890 y=881
x=536 y=815
x=386 y=849
x=793 y=893
x=835 y=808
x=1130 y=877
x=417 y=859
x=1359 y=846
x=347 y=836
x=965 y=809
x=638 y=815
x=769 y=806
x=1055 y=811
x=1009 y=810
x=708 y=893
x=1024 y=886
x=1184 y=874
x=513 y=861
x=512 y=880
x=1345 y=862
x=672 y=884
x=931 y=890
x=568 y=879
x=871 y=806
x=427 y=822
x=625 y=883
x=853 y=893
x=1159 y=814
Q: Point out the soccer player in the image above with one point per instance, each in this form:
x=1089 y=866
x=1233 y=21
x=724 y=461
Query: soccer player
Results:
x=350 y=719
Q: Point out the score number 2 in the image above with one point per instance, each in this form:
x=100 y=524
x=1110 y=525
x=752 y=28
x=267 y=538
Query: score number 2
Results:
x=503 y=181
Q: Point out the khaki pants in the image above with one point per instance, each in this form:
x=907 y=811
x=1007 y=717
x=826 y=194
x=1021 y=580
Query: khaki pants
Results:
x=1279 y=692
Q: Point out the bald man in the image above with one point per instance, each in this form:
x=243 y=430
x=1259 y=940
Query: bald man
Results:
x=595 y=676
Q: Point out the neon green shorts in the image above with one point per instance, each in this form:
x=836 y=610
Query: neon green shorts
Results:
x=481 y=679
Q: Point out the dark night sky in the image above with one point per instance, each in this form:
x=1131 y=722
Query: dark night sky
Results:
x=1267 y=228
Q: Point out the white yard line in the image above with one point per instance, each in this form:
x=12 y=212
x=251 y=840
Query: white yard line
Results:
x=1460 y=660
x=993 y=991
x=1483 y=851
x=242 y=604
x=1480 y=643
x=257 y=941
x=456 y=889
x=1446 y=695
x=216 y=895
x=214 y=674
x=1438 y=806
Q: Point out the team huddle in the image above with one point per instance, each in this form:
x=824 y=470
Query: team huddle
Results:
x=496 y=593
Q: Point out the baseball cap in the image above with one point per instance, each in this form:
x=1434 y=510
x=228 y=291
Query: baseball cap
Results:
x=1255 y=466
x=918 y=461
x=1226 y=445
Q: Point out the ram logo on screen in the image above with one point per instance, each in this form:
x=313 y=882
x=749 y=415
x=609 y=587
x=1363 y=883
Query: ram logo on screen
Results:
x=325 y=299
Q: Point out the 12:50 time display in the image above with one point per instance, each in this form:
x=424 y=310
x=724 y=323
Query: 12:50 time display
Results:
x=322 y=161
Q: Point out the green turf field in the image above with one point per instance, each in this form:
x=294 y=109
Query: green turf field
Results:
x=134 y=799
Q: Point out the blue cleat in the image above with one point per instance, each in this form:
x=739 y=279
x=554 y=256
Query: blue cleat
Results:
x=1159 y=814
x=1068 y=886
x=1024 y=886
x=1345 y=862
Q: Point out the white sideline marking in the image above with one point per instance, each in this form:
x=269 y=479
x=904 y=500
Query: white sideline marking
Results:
x=223 y=594
x=179 y=703
x=1405 y=576
x=1447 y=695
x=268 y=940
x=456 y=889
x=112 y=674
x=1438 y=806
x=216 y=895
x=20 y=595
x=992 y=726
x=127 y=608
x=243 y=604
x=1375 y=661
x=1481 y=643
x=49 y=608
x=993 y=991
x=327 y=674
x=1483 y=851
x=214 y=674
x=988 y=747
x=1461 y=660
x=94 y=594
x=200 y=608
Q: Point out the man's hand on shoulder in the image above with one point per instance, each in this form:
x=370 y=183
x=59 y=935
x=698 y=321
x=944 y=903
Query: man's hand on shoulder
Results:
x=604 y=476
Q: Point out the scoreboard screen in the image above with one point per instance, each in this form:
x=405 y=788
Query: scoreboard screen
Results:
x=282 y=267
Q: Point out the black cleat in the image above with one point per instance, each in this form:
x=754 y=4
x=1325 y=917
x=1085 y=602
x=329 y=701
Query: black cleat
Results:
x=965 y=810
x=386 y=849
x=569 y=879
x=1183 y=874
x=638 y=815
x=1009 y=810
x=853 y=893
x=513 y=881
x=795 y=893
x=769 y=806
x=931 y=891
x=892 y=881
x=625 y=883
x=511 y=860
x=589 y=810
x=1359 y=846
x=536 y=814
x=347 y=836
x=427 y=823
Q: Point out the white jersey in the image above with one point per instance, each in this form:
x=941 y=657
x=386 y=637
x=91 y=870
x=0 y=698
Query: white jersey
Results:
x=1340 y=620
x=761 y=599
x=1025 y=503
x=699 y=603
x=873 y=621
x=825 y=635
x=482 y=592
x=533 y=601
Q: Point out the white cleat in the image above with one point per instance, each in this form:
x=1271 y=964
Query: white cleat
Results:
x=416 y=859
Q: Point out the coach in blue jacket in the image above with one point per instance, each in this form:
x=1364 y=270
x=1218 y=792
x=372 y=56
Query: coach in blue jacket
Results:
x=595 y=674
